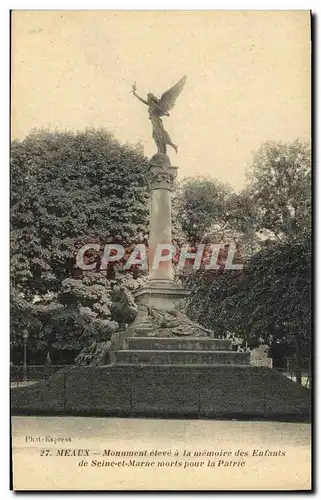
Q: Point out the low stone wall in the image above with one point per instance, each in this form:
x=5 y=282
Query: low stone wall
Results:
x=167 y=391
x=178 y=344
x=180 y=357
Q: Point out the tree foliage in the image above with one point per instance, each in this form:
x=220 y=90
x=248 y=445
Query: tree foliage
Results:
x=208 y=211
x=200 y=207
x=279 y=186
x=270 y=300
x=70 y=189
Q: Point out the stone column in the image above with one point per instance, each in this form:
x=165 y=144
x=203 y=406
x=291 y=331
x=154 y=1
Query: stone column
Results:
x=161 y=291
x=160 y=225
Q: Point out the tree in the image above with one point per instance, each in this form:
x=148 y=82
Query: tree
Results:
x=200 y=208
x=279 y=186
x=269 y=301
x=275 y=297
x=208 y=211
x=28 y=316
x=70 y=189
x=275 y=205
x=22 y=318
x=209 y=289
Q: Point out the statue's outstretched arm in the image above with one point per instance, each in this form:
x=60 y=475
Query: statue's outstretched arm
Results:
x=138 y=97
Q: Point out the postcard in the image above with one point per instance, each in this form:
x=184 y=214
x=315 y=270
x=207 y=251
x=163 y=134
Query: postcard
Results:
x=161 y=250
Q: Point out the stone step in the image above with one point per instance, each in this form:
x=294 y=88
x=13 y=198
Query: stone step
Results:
x=176 y=357
x=176 y=391
x=178 y=344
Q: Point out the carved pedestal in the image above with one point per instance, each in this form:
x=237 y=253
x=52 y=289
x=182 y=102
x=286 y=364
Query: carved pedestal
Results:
x=160 y=334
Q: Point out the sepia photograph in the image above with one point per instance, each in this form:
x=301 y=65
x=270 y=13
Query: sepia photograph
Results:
x=161 y=250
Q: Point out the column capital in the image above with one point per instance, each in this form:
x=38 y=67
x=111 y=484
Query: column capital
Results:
x=161 y=173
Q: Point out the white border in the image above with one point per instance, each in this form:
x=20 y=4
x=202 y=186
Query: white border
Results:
x=163 y=5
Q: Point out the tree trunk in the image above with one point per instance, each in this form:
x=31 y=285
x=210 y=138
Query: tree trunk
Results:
x=298 y=355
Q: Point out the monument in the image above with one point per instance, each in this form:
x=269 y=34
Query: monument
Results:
x=161 y=291
x=164 y=364
x=160 y=333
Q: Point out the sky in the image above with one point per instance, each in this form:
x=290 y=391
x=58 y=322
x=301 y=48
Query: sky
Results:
x=248 y=79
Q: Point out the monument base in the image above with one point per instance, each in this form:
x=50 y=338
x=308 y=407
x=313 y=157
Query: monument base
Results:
x=162 y=294
x=159 y=315
x=243 y=392
x=180 y=377
x=178 y=351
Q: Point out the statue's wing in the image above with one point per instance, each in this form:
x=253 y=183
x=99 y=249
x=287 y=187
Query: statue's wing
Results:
x=167 y=101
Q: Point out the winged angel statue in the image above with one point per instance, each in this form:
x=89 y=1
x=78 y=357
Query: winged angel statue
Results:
x=158 y=108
